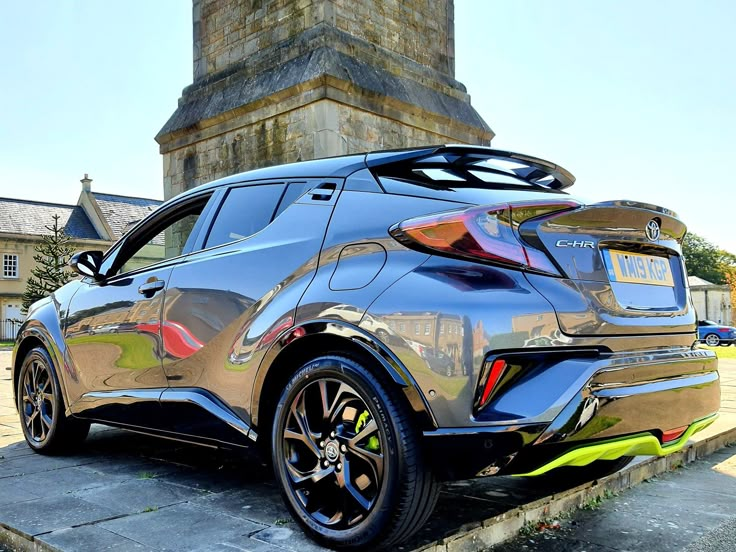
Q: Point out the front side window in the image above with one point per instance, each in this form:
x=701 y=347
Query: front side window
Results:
x=10 y=265
x=164 y=239
x=245 y=211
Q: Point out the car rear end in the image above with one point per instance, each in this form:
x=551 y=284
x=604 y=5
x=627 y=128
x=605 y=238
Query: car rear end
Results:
x=581 y=344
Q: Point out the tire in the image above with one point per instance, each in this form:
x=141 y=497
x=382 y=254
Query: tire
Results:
x=577 y=475
x=712 y=340
x=352 y=471
x=46 y=428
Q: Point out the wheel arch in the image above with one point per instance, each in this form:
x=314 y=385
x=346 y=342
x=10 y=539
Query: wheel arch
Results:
x=32 y=334
x=316 y=338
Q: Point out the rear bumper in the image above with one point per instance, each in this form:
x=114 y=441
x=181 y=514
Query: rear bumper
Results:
x=579 y=401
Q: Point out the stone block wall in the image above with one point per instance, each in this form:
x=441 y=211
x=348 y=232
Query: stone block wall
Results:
x=228 y=31
x=279 y=81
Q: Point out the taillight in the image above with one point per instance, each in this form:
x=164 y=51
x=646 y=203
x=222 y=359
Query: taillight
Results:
x=488 y=233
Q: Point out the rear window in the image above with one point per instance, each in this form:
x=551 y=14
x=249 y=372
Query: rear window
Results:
x=460 y=192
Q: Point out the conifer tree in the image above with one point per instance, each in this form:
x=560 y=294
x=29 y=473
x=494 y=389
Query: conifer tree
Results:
x=50 y=272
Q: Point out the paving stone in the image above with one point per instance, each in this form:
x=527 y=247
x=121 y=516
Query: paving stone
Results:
x=63 y=481
x=137 y=495
x=183 y=527
x=90 y=538
x=290 y=537
x=262 y=504
x=14 y=490
x=48 y=514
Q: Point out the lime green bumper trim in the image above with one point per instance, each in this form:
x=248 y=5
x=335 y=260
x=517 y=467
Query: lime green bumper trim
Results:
x=635 y=445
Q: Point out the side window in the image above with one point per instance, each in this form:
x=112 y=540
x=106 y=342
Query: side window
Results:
x=162 y=240
x=245 y=211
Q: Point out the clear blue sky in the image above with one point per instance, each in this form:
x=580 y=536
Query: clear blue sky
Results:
x=636 y=98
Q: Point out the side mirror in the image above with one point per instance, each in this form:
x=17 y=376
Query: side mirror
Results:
x=87 y=263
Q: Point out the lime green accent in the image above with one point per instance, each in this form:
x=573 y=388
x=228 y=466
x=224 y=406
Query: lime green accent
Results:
x=635 y=445
x=373 y=444
x=362 y=420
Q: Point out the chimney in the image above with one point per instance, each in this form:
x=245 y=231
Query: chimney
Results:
x=86 y=183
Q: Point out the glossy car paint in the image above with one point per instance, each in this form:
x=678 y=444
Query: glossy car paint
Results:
x=326 y=273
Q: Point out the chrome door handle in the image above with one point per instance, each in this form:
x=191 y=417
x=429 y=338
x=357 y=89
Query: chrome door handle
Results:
x=149 y=288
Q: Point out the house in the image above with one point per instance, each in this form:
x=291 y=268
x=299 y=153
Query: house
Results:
x=96 y=221
x=712 y=302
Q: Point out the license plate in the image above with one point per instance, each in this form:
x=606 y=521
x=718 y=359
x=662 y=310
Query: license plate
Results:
x=636 y=268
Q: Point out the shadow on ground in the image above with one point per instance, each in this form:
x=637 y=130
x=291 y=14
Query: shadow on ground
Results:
x=132 y=485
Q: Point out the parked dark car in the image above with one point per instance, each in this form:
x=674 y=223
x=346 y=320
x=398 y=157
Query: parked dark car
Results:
x=714 y=334
x=298 y=299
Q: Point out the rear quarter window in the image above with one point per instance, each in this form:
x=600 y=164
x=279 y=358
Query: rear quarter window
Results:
x=244 y=212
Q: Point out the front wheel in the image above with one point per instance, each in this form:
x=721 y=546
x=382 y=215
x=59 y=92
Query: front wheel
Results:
x=41 y=407
x=348 y=457
x=712 y=340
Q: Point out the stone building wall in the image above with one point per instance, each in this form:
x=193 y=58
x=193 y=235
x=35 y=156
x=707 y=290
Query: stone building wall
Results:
x=278 y=81
x=228 y=31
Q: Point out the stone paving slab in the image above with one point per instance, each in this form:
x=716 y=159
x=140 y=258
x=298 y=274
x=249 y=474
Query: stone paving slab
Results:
x=130 y=491
x=670 y=512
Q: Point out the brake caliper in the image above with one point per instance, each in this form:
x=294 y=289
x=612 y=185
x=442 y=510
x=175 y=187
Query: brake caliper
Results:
x=373 y=443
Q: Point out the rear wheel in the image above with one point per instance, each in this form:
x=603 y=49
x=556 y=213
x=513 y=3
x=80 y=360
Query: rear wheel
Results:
x=348 y=457
x=41 y=407
x=712 y=339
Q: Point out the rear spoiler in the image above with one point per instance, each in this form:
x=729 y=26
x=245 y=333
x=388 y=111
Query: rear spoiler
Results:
x=460 y=158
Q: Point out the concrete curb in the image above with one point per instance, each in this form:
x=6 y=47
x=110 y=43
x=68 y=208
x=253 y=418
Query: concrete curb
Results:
x=507 y=525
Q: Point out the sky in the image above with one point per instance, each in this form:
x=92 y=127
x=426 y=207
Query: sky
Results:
x=636 y=98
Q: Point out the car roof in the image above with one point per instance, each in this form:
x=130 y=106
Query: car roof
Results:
x=345 y=165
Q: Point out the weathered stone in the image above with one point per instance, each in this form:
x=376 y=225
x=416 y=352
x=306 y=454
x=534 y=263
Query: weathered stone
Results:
x=287 y=80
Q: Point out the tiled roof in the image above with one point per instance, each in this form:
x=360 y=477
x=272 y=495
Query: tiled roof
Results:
x=18 y=216
x=121 y=212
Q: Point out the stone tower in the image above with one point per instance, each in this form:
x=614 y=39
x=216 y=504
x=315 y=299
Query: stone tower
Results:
x=277 y=81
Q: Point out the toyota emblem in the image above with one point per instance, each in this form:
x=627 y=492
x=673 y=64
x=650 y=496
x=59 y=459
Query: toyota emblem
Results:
x=652 y=230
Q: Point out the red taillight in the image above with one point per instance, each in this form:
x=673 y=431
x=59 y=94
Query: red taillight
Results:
x=497 y=368
x=482 y=233
x=672 y=434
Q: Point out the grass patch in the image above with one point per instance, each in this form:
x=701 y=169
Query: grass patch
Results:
x=723 y=352
x=595 y=502
x=150 y=509
x=136 y=350
x=281 y=521
x=6 y=343
x=146 y=475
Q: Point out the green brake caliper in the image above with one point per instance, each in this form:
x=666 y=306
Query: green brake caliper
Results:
x=373 y=444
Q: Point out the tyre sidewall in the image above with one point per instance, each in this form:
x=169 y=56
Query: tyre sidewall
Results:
x=373 y=394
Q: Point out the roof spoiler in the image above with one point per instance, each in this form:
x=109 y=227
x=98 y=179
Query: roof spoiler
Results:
x=532 y=170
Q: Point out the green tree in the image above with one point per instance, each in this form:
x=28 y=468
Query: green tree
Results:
x=707 y=261
x=50 y=272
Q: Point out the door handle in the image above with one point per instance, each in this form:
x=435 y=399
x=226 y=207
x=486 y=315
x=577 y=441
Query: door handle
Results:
x=149 y=288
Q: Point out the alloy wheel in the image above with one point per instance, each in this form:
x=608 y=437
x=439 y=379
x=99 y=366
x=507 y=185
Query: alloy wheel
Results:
x=333 y=453
x=712 y=340
x=38 y=403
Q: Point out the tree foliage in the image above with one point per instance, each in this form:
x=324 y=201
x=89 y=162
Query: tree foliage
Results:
x=707 y=261
x=50 y=272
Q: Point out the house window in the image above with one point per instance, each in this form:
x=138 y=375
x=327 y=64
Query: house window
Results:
x=427 y=328
x=10 y=265
x=416 y=328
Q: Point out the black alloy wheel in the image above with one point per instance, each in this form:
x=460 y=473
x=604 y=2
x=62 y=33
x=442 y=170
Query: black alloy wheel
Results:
x=41 y=407
x=348 y=458
x=38 y=404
